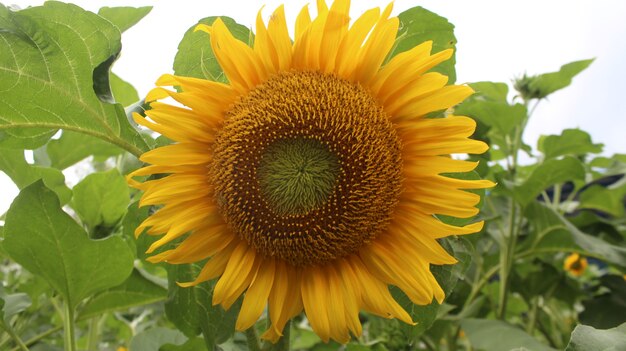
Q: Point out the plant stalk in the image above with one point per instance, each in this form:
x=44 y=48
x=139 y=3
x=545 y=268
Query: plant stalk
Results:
x=253 y=339
x=68 y=326
x=94 y=331
x=38 y=337
x=16 y=338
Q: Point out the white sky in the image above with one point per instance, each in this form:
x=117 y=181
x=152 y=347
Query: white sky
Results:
x=497 y=41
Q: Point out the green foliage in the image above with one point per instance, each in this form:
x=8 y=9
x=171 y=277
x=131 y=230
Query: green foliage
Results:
x=57 y=55
x=73 y=147
x=124 y=17
x=547 y=174
x=572 y=142
x=540 y=86
x=154 y=338
x=48 y=242
x=585 y=338
x=101 y=199
x=137 y=290
x=491 y=335
x=192 y=311
x=418 y=25
x=607 y=307
x=13 y=164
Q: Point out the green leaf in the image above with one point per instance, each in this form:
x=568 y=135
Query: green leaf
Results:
x=491 y=90
x=73 y=147
x=12 y=304
x=607 y=309
x=553 y=233
x=124 y=17
x=540 y=86
x=500 y=116
x=418 y=25
x=195 y=57
x=424 y=316
x=59 y=55
x=29 y=139
x=152 y=339
x=14 y=165
x=195 y=344
x=603 y=199
x=48 y=242
x=586 y=338
x=571 y=142
x=191 y=309
x=101 y=199
x=548 y=173
x=135 y=291
x=492 y=335
x=123 y=92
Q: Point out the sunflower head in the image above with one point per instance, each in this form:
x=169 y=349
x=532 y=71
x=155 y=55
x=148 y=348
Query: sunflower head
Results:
x=575 y=264
x=311 y=180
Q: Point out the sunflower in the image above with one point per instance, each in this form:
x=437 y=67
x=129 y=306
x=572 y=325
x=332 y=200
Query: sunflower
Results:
x=575 y=264
x=311 y=180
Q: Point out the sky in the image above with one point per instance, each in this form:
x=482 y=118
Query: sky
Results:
x=497 y=41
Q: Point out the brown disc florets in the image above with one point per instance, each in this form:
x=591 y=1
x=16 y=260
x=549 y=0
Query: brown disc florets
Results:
x=307 y=167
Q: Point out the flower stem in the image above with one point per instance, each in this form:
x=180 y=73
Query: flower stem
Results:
x=38 y=337
x=284 y=343
x=68 y=326
x=253 y=339
x=507 y=250
x=94 y=331
x=16 y=338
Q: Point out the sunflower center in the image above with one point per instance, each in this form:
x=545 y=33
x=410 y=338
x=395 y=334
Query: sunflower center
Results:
x=297 y=175
x=307 y=168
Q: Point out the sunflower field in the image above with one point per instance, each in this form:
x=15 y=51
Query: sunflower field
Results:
x=311 y=183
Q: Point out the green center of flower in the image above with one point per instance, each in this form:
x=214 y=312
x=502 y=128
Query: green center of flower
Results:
x=297 y=175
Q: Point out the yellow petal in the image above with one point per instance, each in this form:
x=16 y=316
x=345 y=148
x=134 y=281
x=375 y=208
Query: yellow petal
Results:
x=256 y=297
x=240 y=270
x=315 y=298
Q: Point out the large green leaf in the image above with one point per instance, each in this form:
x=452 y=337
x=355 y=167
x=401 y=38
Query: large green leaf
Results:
x=550 y=172
x=500 y=116
x=195 y=57
x=29 y=139
x=553 y=233
x=72 y=147
x=608 y=308
x=124 y=17
x=603 y=199
x=540 y=86
x=153 y=338
x=191 y=310
x=586 y=338
x=491 y=90
x=492 y=335
x=48 y=242
x=418 y=25
x=54 y=67
x=12 y=304
x=570 y=142
x=123 y=92
x=101 y=199
x=14 y=165
x=135 y=291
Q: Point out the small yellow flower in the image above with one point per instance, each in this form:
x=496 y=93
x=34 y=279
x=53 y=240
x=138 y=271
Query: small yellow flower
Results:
x=312 y=179
x=575 y=264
